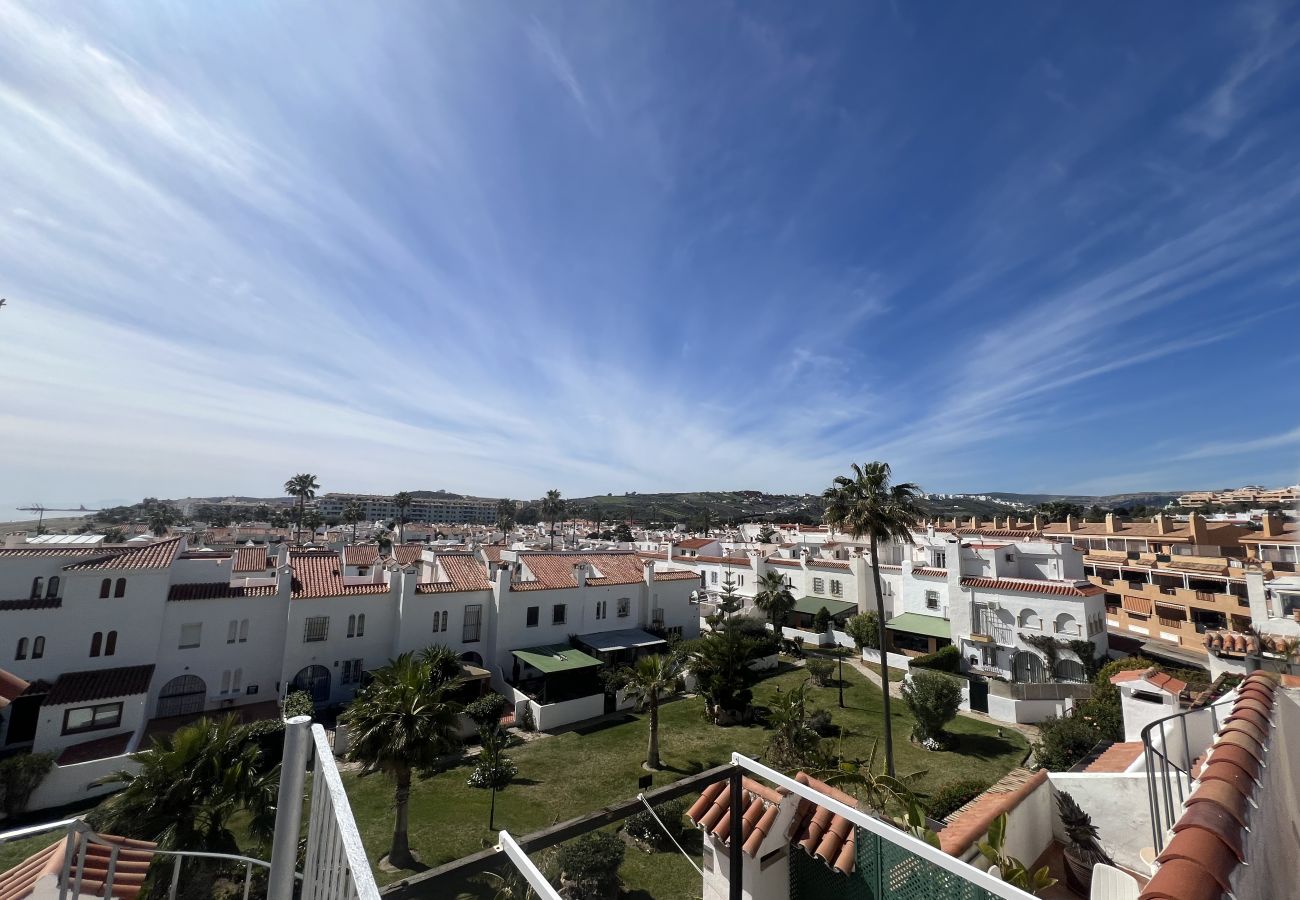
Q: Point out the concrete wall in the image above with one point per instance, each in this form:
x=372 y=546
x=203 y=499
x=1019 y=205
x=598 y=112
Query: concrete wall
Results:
x=1119 y=808
x=896 y=660
x=1274 y=845
x=69 y=784
x=557 y=715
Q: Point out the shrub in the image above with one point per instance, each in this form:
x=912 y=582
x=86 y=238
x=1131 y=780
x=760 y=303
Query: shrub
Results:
x=820 y=722
x=820 y=670
x=487 y=710
x=20 y=776
x=822 y=620
x=864 y=629
x=945 y=659
x=1064 y=741
x=934 y=700
x=645 y=830
x=526 y=721
x=298 y=703
x=589 y=866
x=953 y=795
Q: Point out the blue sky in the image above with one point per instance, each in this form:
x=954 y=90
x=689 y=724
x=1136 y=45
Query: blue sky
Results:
x=503 y=247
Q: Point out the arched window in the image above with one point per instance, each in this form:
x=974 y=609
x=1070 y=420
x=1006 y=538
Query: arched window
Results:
x=38 y=647
x=52 y=590
x=352 y=626
x=96 y=643
x=1065 y=624
x=110 y=644
x=121 y=588
x=21 y=652
x=37 y=584
x=183 y=695
x=361 y=625
x=1070 y=670
x=243 y=631
x=104 y=587
x=1029 y=619
x=232 y=631
x=1028 y=668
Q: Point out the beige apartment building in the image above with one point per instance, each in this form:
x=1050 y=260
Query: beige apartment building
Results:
x=1248 y=494
x=1167 y=582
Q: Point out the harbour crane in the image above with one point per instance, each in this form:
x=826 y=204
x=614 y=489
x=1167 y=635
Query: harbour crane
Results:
x=42 y=510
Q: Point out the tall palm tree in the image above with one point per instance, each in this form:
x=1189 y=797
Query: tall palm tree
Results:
x=161 y=519
x=403 y=720
x=302 y=486
x=505 y=515
x=652 y=678
x=552 y=511
x=402 y=500
x=775 y=599
x=352 y=514
x=868 y=504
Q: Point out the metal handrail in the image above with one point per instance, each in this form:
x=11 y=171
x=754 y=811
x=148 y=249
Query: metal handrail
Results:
x=1160 y=796
x=73 y=827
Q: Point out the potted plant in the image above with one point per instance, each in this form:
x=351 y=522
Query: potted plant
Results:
x=1082 y=849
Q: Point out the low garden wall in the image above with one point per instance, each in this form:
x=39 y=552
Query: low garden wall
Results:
x=73 y=783
x=896 y=660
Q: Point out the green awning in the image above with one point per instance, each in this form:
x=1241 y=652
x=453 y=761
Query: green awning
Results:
x=556 y=658
x=836 y=608
x=915 y=623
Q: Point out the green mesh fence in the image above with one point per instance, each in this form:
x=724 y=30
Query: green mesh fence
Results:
x=885 y=871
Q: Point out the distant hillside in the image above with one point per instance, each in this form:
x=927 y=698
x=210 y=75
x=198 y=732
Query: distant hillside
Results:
x=722 y=506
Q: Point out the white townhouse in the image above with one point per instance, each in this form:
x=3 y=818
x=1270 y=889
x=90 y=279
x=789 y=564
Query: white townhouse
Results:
x=100 y=642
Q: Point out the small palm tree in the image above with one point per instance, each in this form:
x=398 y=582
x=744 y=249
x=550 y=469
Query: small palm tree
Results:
x=352 y=514
x=505 y=515
x=302 y=486
x=403 y=720
x=552 y=511
x=651 y=679
x=402 y=500
x=868 y=504
x=775 y=599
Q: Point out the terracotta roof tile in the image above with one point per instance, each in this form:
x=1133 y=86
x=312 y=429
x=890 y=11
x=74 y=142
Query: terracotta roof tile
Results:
x=929 y=572
x=132 y=868
x=252 y=559
x=217 y=590
x=553 y=571
x=1235 y=756
x=781 y=561
x=675 y=576
x=158 y=555
x=1218 y=821
x=99 y=684
x=407 y=554
x=1181 y=879
x=11 y=687
x=1204 y=849
x=361 y=555
x=1223 y=795
x=33 y=552
x=1151 y=676
x=828 y=564
x=821 y=833
x=1244 y=741
x=1216 y=770
x=971 y=822
x=1027 y=532
x=714 y=560
x=1036 y=586
x=464 y=573
x=318 y=573
x=694 y=543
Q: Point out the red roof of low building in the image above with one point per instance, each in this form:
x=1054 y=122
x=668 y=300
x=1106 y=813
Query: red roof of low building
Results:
x=99 y=684
x=553 y=571
x=97 y=748
x=318 y=573
x=694 y=543
x=361 y=555
x=1151 y=676
x=1117 y=757
x=1035 y=585
x=41 y=603
x=158 y=555
x=129 y=873
x=407 y=554
x=970 y=823
x=252 y=559
x=464 y=573
x=217 y=590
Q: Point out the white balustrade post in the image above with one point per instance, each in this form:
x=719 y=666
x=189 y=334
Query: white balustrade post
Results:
x=288 y=809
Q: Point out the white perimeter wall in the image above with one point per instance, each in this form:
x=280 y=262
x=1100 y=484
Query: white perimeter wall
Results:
x=1119 y=808
x=70 y=784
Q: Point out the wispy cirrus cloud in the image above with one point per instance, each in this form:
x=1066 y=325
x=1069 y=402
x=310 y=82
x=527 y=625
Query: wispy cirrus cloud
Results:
x=605 y=249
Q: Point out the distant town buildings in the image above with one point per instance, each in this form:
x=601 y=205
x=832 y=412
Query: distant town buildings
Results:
x=423 y=510
x=1253 y=494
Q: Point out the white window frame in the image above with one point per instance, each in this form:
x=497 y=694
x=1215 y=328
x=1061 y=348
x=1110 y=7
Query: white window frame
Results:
x=194 y=631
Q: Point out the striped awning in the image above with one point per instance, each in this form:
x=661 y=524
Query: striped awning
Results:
x=1140 y=605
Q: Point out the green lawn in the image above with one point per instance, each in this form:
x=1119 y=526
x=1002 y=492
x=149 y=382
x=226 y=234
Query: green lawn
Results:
x=895 y=673
x=564 y=776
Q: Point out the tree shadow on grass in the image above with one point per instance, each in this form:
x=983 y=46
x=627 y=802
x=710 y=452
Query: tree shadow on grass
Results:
x=610 y=722
x=983 y=746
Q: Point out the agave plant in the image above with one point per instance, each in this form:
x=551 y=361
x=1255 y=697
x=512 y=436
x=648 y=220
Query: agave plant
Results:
x=1082 y=848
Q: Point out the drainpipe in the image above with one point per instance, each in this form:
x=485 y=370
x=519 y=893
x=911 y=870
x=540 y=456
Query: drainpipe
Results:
x=288 y=808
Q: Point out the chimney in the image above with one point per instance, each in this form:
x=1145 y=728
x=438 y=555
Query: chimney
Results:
x=580 y=574
x=974 y=522
x=1272 y=524
x=503 y=579
x=1112 y=524
x=670 y=549
x=1038 y=522
x=649 y=573
x=1163 y=525
x=1196 y=524
x=1070 y=523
